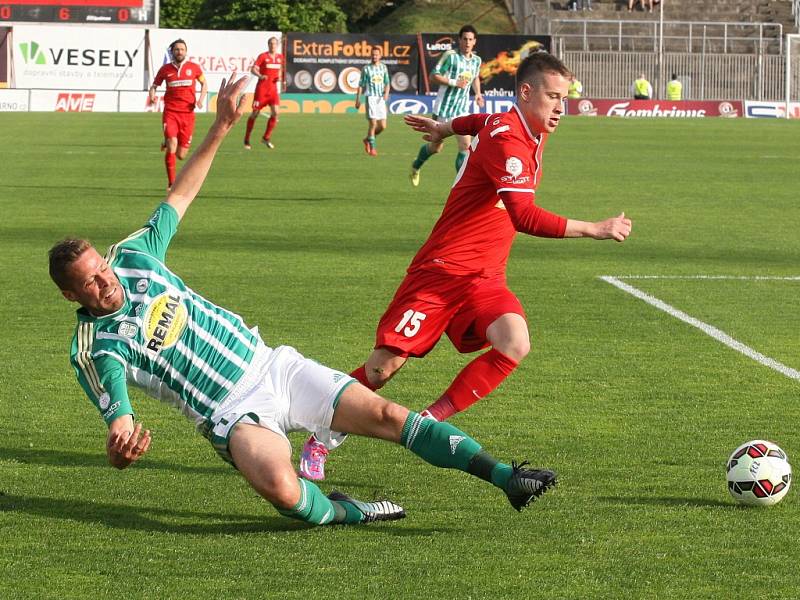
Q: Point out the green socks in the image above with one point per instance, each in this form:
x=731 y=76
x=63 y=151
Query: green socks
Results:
x=421 y=157
x=371 y=141
x=460 y=157
x=316 y=508
x=443 y=445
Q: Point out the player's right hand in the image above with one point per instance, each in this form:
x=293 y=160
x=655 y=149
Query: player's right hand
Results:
x=125 y=448
x=229 y=100
x=426 y=126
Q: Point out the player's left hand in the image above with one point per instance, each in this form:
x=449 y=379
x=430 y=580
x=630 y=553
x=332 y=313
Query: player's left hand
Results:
x=479 y=100
x=615 y=228
x=199 y=104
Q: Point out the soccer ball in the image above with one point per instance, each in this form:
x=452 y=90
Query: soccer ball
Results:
x=759 y=473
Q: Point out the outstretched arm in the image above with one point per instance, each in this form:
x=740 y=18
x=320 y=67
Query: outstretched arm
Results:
x=434 y=131
x=191 y=177
x=615 y=228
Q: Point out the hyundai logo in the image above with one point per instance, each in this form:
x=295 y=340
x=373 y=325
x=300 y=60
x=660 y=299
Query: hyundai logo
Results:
x=408 y=106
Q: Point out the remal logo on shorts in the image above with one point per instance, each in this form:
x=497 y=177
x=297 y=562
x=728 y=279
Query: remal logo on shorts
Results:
x=32 y=53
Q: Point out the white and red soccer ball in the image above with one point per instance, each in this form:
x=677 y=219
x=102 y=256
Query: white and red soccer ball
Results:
x=759 y=473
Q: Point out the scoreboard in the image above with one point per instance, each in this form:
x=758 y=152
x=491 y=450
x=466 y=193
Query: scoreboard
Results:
x=98 y=12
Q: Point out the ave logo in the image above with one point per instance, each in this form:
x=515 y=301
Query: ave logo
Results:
x=75 y=102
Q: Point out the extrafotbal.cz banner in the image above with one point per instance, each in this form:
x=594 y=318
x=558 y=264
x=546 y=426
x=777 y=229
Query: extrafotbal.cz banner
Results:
x=500 y=57
x=69 y=58
x=219 y=53
x=330 y=62
x=655 y=108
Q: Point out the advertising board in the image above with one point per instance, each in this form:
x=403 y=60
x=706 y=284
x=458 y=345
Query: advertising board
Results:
x=62 y=57
x=654 y=108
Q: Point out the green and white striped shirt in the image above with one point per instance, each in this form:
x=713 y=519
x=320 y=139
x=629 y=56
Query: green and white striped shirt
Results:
x=166 y=339
x=452 y=101
x=374 y=79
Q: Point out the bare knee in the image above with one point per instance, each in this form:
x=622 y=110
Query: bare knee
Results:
x=282 y=491
x=516 y=349
x=435 y=148
x=391 y=416
x=181 y=154
x=379 y=374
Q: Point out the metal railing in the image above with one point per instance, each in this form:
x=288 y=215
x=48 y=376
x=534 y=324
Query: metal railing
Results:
x=796 y=14
x=678 y=36
x=704 y=76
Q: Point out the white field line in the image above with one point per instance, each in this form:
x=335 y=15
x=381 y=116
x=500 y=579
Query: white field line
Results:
x=710 y=330
x=715 y=277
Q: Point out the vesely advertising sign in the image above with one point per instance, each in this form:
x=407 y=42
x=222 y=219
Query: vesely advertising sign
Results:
x=500 y=57
x=219 y=53
x=654 y=108
x=328 y=62
x=68 y=58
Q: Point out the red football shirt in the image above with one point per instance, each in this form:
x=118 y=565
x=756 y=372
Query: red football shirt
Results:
x=271 y=66
x=180 y=95
x=492 y=199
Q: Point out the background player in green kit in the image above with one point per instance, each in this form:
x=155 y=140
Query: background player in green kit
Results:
x=455 y=73
x=139 y=324
x=374 y=85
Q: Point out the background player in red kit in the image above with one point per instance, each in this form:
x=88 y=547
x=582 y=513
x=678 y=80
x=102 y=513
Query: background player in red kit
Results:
x=269 y=70
x=179 y=103
x=456 y=284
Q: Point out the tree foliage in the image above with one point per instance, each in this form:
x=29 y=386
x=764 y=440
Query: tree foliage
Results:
x=357 y=10
x=281 y=15
x=178 y=14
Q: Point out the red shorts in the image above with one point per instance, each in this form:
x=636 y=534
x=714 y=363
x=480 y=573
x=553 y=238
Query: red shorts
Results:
x=429 y=303
x=179 y=125
x=266 y=95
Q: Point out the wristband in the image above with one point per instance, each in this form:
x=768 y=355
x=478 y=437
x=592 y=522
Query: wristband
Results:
x=452 y=82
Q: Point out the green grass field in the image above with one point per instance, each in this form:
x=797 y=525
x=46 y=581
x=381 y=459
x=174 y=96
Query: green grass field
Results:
x=636 y=410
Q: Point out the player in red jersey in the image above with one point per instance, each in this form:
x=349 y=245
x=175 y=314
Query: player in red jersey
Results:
x=269 y=70
x=180 y=76
x=456 y=284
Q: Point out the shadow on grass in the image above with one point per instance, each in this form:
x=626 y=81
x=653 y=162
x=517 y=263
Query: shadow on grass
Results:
x=63 y=458
x=144 y=518
x=149 y=192
x=668 y=501
x=158 y=519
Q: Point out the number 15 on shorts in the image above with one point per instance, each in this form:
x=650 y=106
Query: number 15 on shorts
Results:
x=410 y=323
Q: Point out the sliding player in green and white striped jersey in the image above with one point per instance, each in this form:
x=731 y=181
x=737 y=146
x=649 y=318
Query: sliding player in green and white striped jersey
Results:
x=140 y=324
x=455 y=73
x=170 y=341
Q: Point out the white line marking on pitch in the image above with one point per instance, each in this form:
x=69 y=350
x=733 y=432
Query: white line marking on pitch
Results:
x=710 y=330
x=714 y=277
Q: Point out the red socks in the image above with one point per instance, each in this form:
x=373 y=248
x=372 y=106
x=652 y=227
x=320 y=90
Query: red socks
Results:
x=270 y=126
x=361 y=375
x=475 y=381
x=251 y=121
x=169 y=161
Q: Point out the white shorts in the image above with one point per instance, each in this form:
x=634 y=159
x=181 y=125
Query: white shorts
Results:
x=448 y=119
x=282 y=391
x=376 y=108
